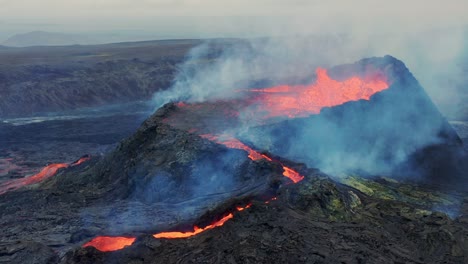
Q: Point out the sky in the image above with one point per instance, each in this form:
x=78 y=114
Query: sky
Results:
x=205 y=18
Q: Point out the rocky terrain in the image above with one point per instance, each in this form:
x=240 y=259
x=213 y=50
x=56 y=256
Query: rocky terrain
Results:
x=50 y=79
x=317 y=220
x=29 y=144
x=168 y=176
x=116 y=187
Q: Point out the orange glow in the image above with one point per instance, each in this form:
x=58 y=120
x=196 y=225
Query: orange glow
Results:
x=278 y=101
x=292 y=174
x=44 y=174
x=272 y=199
x=81 y=160
x=304 y=100
x=196 y=230
x=234 y=143
x=239 y=208
x=105 y=243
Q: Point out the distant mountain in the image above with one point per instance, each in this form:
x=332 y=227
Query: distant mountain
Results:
x=42 y=38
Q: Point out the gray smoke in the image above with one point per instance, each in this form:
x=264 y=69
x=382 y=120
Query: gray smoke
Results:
x=219 y=68
x=437 y=58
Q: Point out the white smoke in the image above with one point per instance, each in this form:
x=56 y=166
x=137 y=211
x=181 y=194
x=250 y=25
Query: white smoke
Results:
x=219 y=68
x=436 y=58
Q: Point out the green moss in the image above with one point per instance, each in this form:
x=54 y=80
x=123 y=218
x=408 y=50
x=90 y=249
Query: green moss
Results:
x=389 y=189
x=354 y=182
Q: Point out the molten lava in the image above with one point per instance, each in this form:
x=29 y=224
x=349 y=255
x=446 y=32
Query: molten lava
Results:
x=262 y=106
x=279 y=101
x=45 y=173
x=105 y=243
x=304 y=100
x=81 y=160
x=292 y=174
x=231 y=142
x=196 y=230
x=234 y=143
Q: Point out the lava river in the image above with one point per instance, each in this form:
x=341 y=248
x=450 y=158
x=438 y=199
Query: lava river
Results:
x=45 y=173
x=107 y=243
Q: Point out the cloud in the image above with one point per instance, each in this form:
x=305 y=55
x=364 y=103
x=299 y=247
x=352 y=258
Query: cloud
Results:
x=415 y=11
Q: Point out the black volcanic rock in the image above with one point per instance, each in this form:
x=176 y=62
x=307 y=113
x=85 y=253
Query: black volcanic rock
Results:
x=160 y=163
x=315 y=221
x=157 y=179
x=29 y=252
x=166 y=178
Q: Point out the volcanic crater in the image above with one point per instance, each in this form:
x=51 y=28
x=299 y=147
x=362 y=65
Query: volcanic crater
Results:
x=242 y=181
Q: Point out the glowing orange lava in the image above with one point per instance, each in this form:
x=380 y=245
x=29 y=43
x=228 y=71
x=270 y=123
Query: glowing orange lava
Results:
x=45 y=173
x=196 y=230
x=279 y=101
x=303 y=100
x=234 y=143
x=116 y=243
x=81 y=160
x=105 y=243
x=292 y=174
x=239 y=208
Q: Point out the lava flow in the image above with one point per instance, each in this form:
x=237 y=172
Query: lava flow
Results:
x=231 y=142
x=105 y=243
x=197 y=230
x=45 y=173
x=261 y=106
x=279 y=101
x=304 y=100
